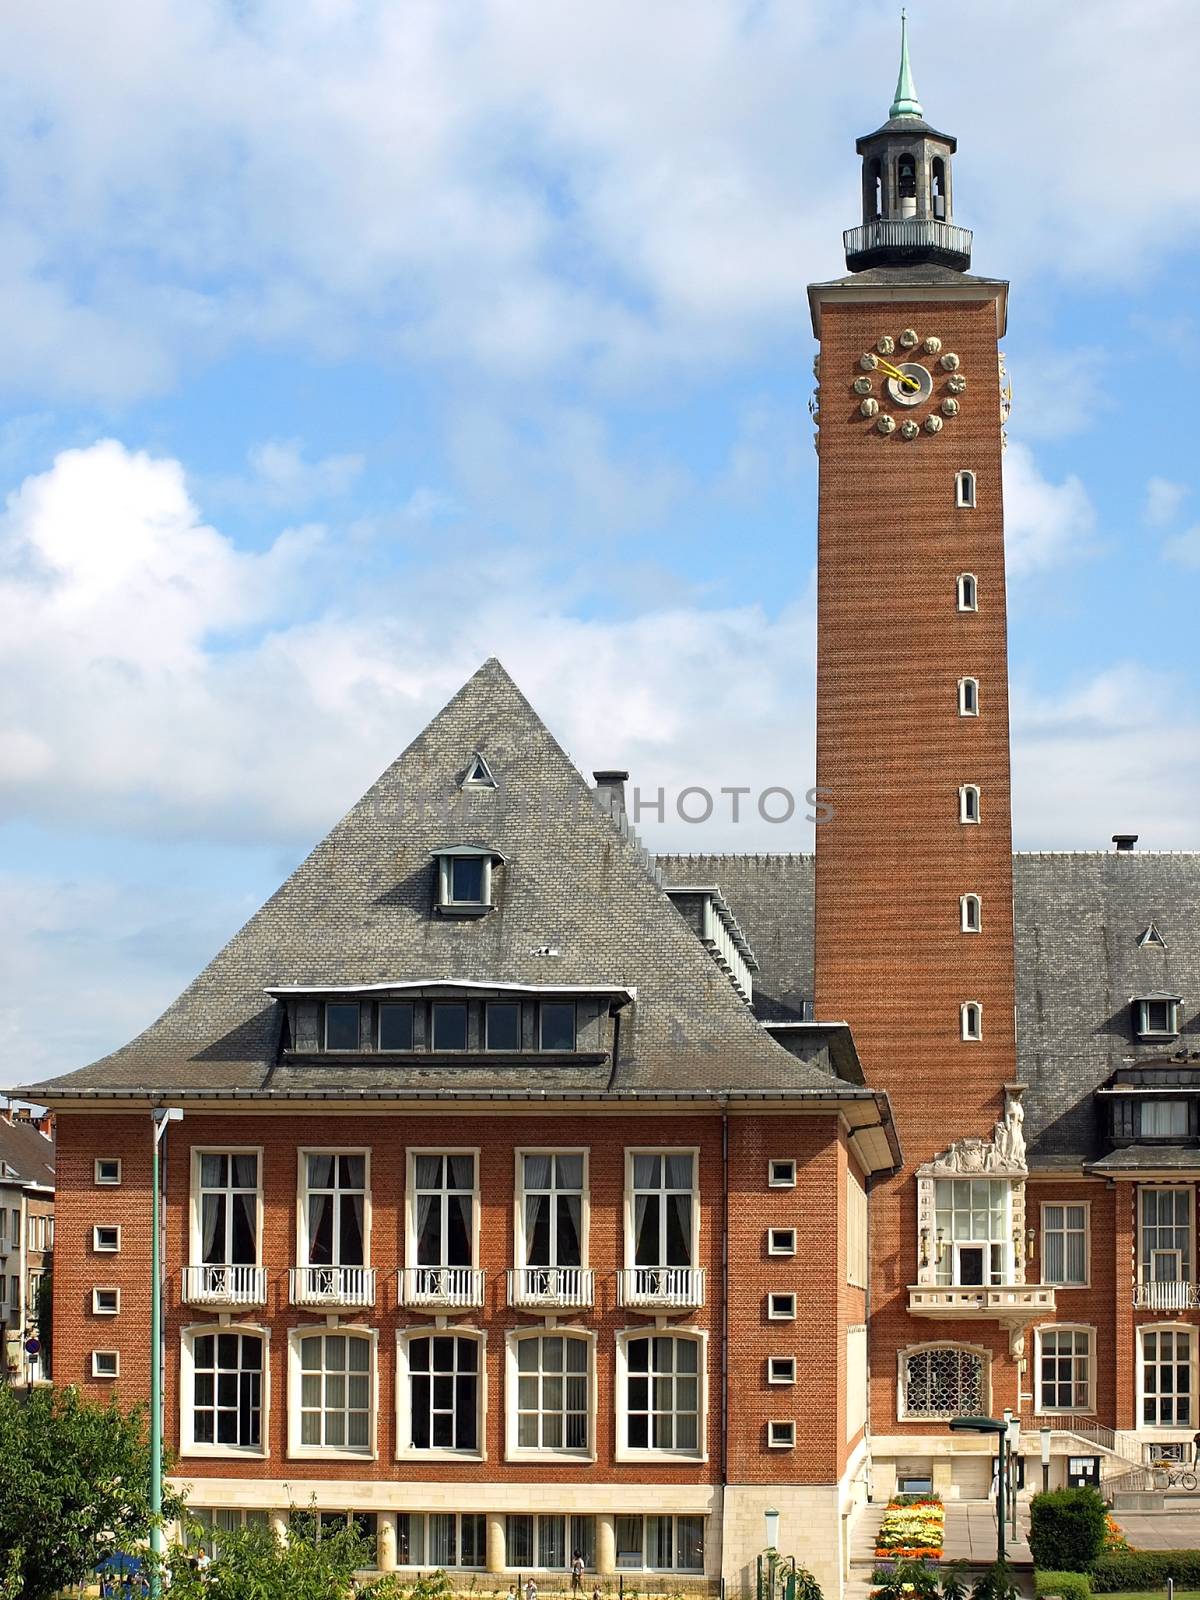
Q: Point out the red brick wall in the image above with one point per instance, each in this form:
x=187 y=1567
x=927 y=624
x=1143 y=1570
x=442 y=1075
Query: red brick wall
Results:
x=810 y=1207
x=892 y=751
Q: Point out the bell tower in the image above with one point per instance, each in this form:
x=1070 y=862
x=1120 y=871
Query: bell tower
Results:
x=914 y=905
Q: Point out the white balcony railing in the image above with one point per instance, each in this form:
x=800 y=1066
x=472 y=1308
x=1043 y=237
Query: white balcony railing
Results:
x=550 y=1286
x=445 y=1287
x=908 y=233
x=225 y=1286
x=1179 y=1296
x=662 y=1288
x=995 y=1301
x=332 y=1286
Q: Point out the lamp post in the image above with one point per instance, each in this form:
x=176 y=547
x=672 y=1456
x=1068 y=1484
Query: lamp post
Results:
x=1014 y=1449
x=1044 y=1434
x=771 y=1524
x=161 y=1117
x=1000 y=1429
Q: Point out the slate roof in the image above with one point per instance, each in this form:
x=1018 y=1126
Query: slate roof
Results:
x=358 y=911
x=28 y=1151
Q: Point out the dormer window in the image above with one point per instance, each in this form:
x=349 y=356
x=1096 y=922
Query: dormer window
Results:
x=1156 y=1016
x=464 y=881
x=556 y=1025
x=342 y=1025
x=1163 y=1119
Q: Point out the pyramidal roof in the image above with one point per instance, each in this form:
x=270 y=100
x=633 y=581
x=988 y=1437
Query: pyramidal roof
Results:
x=358 y=911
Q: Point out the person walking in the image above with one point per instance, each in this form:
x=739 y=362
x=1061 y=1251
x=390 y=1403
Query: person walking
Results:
x=531 y=1590
x=577 y=1572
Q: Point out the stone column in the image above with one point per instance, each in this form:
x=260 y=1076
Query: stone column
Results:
x=279 y=1524
x=496 y=1552
x=385 y=1541
x=606 y=1544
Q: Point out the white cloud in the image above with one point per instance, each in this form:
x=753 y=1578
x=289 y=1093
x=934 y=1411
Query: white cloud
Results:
x=1046 y=524
x=1184 y=548
x=1163 y=500
x=1057 y=393
x=280 y=478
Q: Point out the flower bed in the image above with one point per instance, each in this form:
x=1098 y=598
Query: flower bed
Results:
x=911 y=1532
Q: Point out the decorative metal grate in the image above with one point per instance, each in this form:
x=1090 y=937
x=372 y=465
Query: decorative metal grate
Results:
x=943 y=1382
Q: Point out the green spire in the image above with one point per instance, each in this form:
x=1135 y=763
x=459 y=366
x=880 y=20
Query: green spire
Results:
x=906 y=103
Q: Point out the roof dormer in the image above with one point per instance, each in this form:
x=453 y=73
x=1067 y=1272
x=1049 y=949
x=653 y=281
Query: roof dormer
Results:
x=465 y=879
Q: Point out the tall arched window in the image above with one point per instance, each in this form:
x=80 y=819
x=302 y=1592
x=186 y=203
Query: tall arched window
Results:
x=968 y=592
x=972 y=1020
x=971 y=913
x=968 y=803
x=964 y=490
x=550 y=1393
x=875 y=188
x=968 y=697
x=937 y=175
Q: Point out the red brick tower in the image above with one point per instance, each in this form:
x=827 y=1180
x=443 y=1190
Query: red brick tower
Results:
x=914 y=906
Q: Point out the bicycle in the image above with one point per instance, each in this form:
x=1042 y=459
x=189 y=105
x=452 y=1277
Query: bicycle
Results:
x=1174 y=1477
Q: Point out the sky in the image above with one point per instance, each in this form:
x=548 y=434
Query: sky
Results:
x=347 y=343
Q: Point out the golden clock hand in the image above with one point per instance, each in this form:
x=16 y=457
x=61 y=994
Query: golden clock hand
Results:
x=894 y=372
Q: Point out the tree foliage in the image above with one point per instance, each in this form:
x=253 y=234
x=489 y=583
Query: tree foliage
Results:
x=252 y=1564
x=74 y=1487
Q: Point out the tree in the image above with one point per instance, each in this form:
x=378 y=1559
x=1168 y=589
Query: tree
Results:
x=252 y=1564
x=74 y=1485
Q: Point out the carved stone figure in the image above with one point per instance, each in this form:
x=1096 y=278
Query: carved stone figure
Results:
x=870 y=407
x=909 y=429
x=957 y=384
x=868 y=361
x=933 y=423
x=1009 y=1135
x=933 y=344
x=949 y=406
x=950 y=362
x=886 y=345
x=909 y=338
x=886 y=424
x=862 y=385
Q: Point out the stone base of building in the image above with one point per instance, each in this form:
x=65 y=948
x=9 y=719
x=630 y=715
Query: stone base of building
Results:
x=814 y=1526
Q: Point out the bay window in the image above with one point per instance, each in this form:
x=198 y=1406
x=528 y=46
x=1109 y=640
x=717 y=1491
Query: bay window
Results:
x=973 y=1231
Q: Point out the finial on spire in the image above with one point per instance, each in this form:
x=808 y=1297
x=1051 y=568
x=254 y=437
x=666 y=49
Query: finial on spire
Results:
x=906 y=103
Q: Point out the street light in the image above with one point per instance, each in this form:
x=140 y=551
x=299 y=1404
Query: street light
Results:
x=1014 y=1448
x=160 y=1117
x=1044 y=1434
x=1000 y=1429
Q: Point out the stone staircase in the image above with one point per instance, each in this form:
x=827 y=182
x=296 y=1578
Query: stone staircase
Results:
x=864 y=1530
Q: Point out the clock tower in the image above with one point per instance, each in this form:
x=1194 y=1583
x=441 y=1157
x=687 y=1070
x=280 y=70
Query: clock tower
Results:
x=914 y=897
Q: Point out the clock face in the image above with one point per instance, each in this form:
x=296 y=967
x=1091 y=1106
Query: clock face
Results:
x=913 y=378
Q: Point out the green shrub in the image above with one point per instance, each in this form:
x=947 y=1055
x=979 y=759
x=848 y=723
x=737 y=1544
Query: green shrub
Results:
x=1066 y=1529
x=1071 y=1585
x=1122 y=1570
x=996 y=1583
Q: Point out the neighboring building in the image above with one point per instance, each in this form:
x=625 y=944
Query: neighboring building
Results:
x=520 y=1204
x=26 y=1239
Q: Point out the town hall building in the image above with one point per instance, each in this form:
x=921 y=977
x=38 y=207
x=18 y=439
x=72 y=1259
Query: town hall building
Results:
x=533 y=1195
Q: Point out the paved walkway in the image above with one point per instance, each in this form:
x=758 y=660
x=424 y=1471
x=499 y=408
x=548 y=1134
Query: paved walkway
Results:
x=971 y=1533
x=1176 y=1528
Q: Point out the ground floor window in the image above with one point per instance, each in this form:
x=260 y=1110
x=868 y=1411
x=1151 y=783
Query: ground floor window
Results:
x=944 y=1381
x=213 y=1523
x=227 y=1394
x=661 y=1544
x=1167 y=1378
x=325 y=1523
x=1065 y=1369
x=441 y=1539
x=549 y=1541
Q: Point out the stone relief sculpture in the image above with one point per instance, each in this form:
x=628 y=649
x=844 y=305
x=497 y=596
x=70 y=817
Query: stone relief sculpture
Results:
x=862 y=385
x=886 y=345
x=957 y=384
x=933 y=424
x=885 y=424
x=869 y=408
x=909 y=338
x=909 y=429
x=949 y=406
x=868 y=361
x=933 y=344
x=950 y=362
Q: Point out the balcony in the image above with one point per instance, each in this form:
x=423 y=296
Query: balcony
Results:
x=1178 y=1296
x=550 y=1288
x=998 y=1302
x=893 y=241
x=442 y=1288
x=225 y=1286
x=332 y=1286
x=661 y=1288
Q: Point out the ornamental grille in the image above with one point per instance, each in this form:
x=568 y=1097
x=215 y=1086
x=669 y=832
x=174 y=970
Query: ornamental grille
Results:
x=943 y=1383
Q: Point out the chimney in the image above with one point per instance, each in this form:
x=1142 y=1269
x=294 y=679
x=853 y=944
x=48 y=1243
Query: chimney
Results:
x=1124 y=841
x=610 y=791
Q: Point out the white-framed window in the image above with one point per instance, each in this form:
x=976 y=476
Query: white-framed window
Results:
x=106 y=1238
x=1168 y=1369
x=967 y=591
x=1163 y=1119
x=964 y=490
x=781 y=1307
x=968 y=803
x=781 y=1174
x=1064 y=1369
x=660 y=1544
x=970 y=913
x=781 y=1241
x=332 y=1397
x=1165 y=1229
x=441 y=1539
x=107 y=1170
x=106 y=1301
x=856 y=1232
x=551 y=1395
x=224 y=1378
x=781 y=1435
x=660 y=1395
x=343 y=1025
x=556 y=1025
x=214 y=1521
x=942 y=1381
x=440 y=1393
x=781 y=1369
x=549 y=1542
x=1157 y=1016
x=1065 y=1244
x=226 y=1211
x=552 y=1208
x=502 y=1025
x=973 y=1219
x=971 y=1020
x=395 y=1025
x=968 y=697
x=106 y=1363
x=662 y=1208
x=442 y=1208
x=334 y=1214
x=464 y=879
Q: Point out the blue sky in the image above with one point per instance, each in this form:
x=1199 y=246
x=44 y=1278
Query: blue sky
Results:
x=347 y=344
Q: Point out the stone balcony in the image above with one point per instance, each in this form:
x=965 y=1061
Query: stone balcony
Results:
x=225 y=1287
x=1013 y=1305
x=332 y=1286
x=441 y=1288
x=550 y=1288
x=661 y=1288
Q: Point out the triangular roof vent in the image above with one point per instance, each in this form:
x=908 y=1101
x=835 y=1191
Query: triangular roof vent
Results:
x=1153 y=937
x=478 y=775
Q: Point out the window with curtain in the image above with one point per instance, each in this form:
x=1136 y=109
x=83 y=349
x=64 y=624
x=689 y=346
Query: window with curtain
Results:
x=440 y=1539
x=552 y=1392
x=229 y=1208
x=1064 y=1245
x=335 y=1391
x=1165 y=1249
x=662 y=1401
x=1163 y=1119
x=335 y=1208
x=443 y=1376
x=661 y=1544
x=553 y=1187
x=663 y=1202
x=227 y=1389
x=444 y=1200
